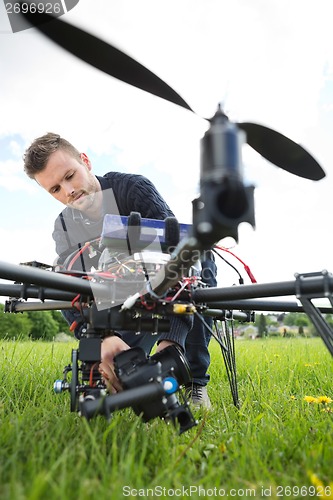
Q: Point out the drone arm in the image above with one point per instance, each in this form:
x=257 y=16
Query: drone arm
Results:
x=222 y=314
x=314 y=285
x=263 y=305
x=15 y=306
x=318 y=285
x=30 y=275
x=24 y=291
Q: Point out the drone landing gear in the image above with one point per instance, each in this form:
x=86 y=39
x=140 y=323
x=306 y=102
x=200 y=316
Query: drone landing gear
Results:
x=305 y=297
x=74 y=384
x=226 y=339
x=223 y=332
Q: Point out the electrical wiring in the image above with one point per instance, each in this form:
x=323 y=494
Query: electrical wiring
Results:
x=187 y=282
x=88 y=245
x=77 y=255
x=240 y=277
x=91 y=375
x=246 y=267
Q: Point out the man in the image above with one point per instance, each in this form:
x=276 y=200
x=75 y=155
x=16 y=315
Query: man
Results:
x=66 y=174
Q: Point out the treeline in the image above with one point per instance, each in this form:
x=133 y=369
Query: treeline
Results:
x=288 y=324
x=32 y=324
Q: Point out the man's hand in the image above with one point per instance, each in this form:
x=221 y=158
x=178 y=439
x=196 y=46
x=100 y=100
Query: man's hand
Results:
x=110 y=347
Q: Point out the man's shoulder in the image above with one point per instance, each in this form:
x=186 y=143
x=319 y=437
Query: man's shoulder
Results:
x=125 y=185
x=113 y=178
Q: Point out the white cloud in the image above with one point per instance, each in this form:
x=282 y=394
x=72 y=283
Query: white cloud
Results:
x=11 y=177
x=25 y=245
x=15 y=148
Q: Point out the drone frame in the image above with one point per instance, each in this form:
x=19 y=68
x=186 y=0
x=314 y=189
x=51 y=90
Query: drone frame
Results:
x=225 y=201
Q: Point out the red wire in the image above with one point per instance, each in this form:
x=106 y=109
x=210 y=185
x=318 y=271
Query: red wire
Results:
x=77 y=255
x=104 y=274
x=91 y=375
x=75 y=300
x=145 y=304
x=246 y=267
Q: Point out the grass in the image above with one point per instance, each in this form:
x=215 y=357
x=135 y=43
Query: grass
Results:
x=274 y=445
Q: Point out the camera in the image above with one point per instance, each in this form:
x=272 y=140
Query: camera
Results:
x=150 y=385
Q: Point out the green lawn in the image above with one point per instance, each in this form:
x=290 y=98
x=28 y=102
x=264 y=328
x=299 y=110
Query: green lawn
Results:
x=277 y=445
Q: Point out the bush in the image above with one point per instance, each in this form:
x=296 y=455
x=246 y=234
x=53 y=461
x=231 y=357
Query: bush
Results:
x=44 y=326
x=12 y=326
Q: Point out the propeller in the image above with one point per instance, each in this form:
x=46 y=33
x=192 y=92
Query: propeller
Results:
x=272 y=145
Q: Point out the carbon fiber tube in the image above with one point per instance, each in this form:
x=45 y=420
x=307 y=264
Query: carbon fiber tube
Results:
x=317 y=286
x=264 y=305
x=32 y=275
x=34 y=292
x=55 y=305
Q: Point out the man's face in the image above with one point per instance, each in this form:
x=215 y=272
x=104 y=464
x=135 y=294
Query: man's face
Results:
x=70 y=181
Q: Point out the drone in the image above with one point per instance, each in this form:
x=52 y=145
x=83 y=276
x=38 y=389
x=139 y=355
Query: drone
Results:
x=141 y=291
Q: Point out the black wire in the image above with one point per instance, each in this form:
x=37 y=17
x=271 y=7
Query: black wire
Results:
x=241 y=280
x=199 y=316
x=229 y=358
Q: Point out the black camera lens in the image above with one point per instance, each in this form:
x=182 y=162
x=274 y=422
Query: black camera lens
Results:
x=173 y=363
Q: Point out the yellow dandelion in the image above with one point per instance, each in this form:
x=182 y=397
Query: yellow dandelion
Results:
x=293 y=397
x=325 y=491
x=315 y=480
x=325 y=400
x=310 y=399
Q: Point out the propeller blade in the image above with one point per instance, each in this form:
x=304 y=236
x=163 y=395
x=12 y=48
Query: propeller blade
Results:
x=272 y=145
x=104 y=56
x=282 y=152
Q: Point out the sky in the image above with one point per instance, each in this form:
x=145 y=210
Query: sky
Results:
x=267 y=61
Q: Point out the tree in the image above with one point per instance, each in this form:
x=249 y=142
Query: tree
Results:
x=262 y=326
x=62 y=323
x=14 y=325
x=296 y=319
x=329 y=320
x=44 y=326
